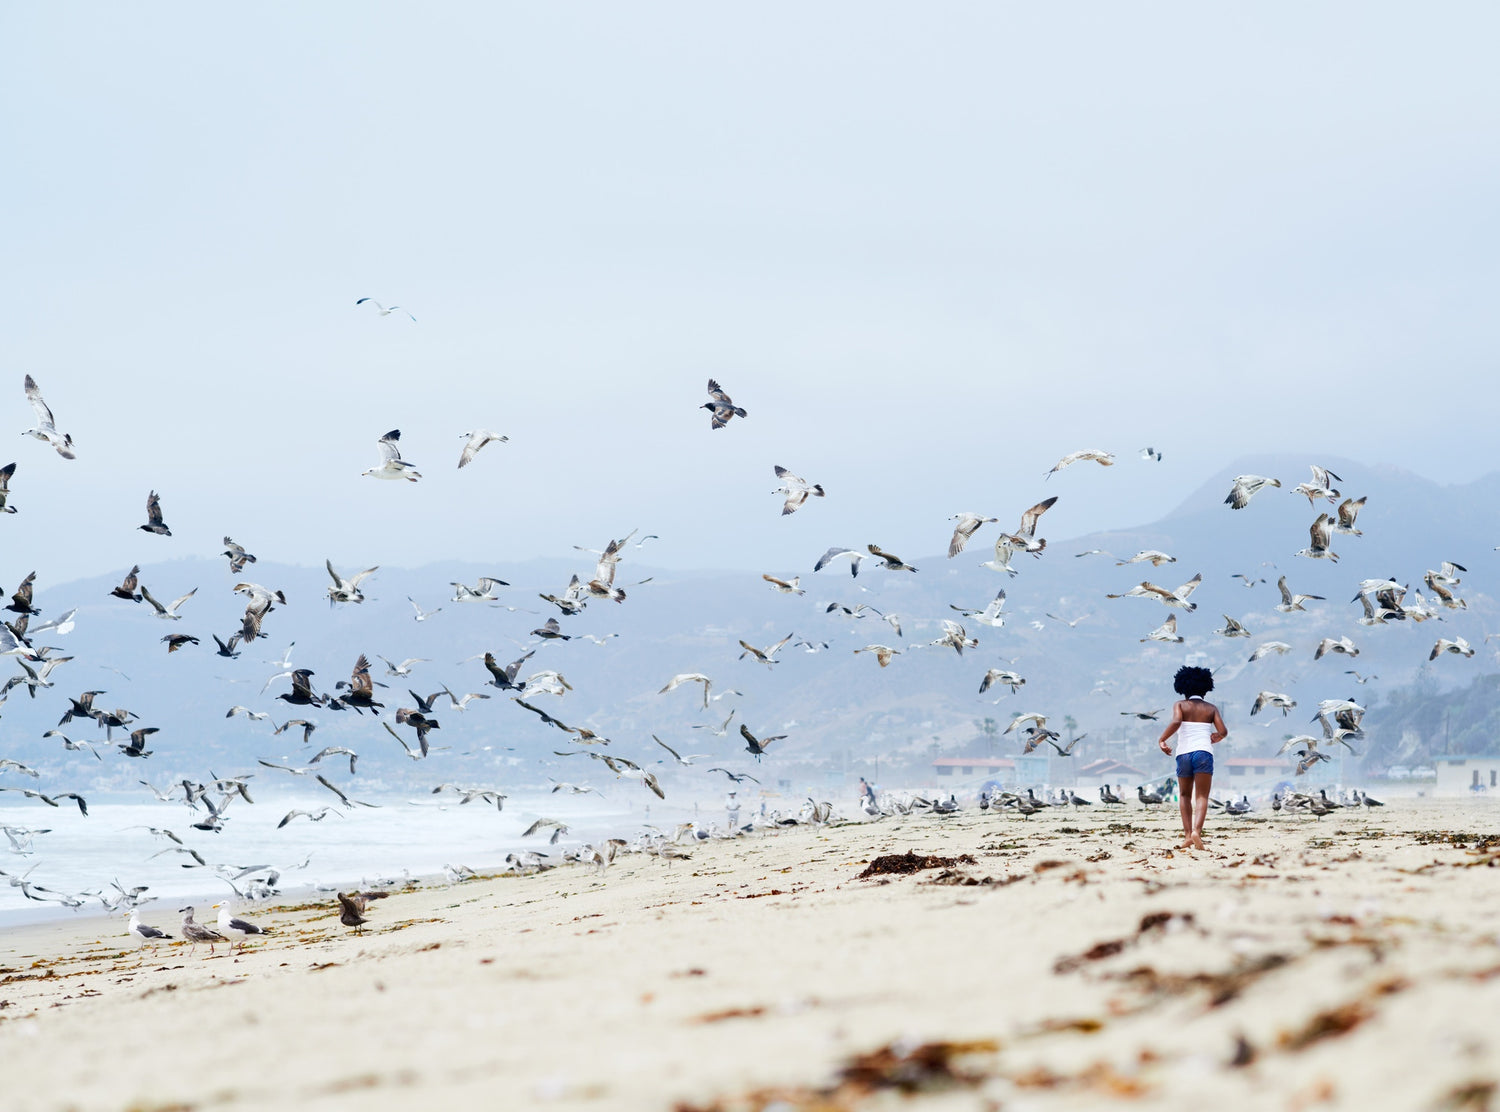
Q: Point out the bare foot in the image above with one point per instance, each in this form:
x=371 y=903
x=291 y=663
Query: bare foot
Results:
x=1198 y=842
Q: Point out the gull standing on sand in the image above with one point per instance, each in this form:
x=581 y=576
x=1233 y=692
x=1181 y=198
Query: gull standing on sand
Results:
x=392 y=466
x=232 y=927
x=46 y=427
x=196 y=932
x=473 y=441
x=143 y=931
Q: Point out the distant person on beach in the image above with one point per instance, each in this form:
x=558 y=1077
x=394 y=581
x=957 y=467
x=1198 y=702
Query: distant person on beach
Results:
x=865 y=791
x=1199 y=728
x=732 y=811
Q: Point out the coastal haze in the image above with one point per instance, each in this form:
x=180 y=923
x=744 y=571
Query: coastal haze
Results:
x=929 y=254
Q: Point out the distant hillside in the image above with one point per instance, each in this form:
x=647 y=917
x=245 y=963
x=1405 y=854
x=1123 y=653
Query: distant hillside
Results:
x=837 y=708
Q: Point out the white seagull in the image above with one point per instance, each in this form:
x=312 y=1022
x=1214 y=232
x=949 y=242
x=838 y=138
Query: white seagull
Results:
x=797 y=490
x=46 y=428
x=473 y=441
x=1245 y=488
x=1104 y=459
x=383 y=310
x=392 y=466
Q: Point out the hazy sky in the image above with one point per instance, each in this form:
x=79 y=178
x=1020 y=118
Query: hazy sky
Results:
x=931 y=249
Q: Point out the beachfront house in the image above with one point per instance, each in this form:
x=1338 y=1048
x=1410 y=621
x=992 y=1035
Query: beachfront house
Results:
x=959 y=771
x=1468 y=775
x=1094 y=775
x=1250 y=771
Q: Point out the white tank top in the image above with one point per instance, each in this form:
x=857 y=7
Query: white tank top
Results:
x=1193 y=737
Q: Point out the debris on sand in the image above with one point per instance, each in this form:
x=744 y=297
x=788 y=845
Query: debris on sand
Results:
x=903 y=864
x=896 y=1067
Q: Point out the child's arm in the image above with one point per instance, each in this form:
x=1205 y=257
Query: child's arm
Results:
x=1221 y=731
x=1171 y=729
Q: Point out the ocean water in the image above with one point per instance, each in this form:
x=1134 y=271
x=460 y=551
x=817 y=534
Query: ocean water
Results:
x=405 y=835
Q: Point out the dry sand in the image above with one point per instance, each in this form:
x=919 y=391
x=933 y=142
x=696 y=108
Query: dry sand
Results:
x=1349 y=962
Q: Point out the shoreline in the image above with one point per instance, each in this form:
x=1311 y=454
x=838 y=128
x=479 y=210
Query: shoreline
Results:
x=1351 y=961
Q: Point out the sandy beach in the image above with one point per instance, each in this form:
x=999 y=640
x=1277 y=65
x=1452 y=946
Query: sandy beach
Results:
x=1067 y=960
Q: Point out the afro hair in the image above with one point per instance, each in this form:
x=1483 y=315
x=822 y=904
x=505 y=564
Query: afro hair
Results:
x=1191 y=681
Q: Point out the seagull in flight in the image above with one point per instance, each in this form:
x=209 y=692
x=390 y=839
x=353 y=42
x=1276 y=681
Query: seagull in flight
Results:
x=392 y=466
x=721 y=406
x=687 y=761
x=767 y=655
x=968 y=525
x=483 y=591
x=1245 y=488
x=46 y=428
x=383 y=310
x=346 y=590
x=797 y=490
x=1289 y=601
x=422 y=615
x=473 y=441
x=168 y=613
x=1104 y=459
x=693 y=677
x=154 y=523
x=5 y=476
x=855 y=559
x=991 y=615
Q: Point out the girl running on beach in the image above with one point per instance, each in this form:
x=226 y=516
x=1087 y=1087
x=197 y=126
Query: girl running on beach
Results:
x=1198 y=728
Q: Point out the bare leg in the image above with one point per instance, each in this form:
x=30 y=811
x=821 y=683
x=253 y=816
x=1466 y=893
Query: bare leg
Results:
x=1202 y=784
x=1185 y=805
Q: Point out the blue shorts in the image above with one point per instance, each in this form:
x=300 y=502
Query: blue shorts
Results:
x=1191 y=764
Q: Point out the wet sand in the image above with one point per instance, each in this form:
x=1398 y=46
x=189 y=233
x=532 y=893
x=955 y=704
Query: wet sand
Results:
x=1065 y=961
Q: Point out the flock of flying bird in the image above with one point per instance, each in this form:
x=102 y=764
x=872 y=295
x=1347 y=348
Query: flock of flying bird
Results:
x=209 y=799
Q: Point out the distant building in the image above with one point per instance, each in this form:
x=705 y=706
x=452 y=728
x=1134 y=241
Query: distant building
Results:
x=1245 y=769
x=1462 y=775
x=1096 y=774
x=1002 y=769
